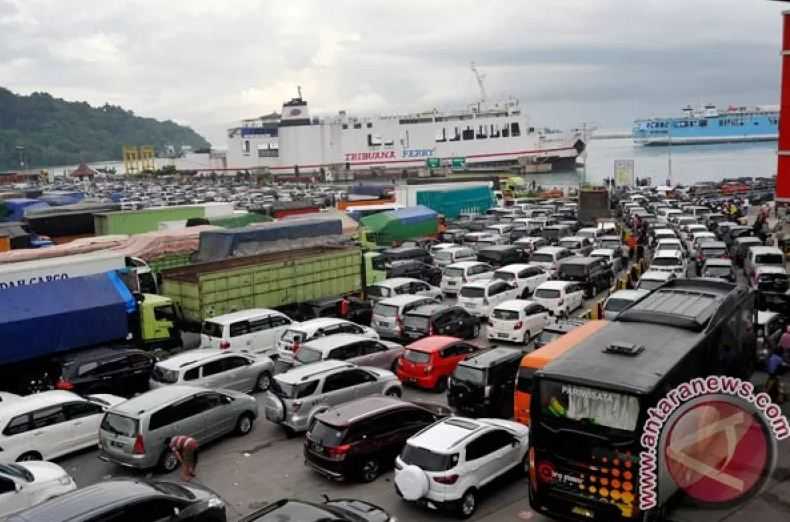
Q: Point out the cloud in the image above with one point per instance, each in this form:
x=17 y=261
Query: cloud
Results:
x=211 y=63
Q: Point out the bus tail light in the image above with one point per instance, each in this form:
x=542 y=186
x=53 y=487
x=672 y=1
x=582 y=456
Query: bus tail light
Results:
x=533 y=479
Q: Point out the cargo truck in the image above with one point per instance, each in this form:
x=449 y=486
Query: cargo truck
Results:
x=40 y=321
x=593 y=206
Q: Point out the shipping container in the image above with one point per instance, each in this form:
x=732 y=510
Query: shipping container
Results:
x=28 y=273
x=264 y=281
x=140 y=221
x=68 y=220
x=449 y=199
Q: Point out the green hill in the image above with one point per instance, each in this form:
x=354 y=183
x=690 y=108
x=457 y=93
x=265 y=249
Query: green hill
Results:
x=57 y=132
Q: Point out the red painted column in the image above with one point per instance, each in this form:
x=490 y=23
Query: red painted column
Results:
x=783 y=165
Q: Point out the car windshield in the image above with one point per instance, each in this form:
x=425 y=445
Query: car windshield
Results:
x=119 y=425
x=416 y=322
x=504 y=276
x=163 y=375
x=212 y=329
x=769 y=259
x=17 y=471
x=472 y=375
x=542 y=258
x=649 y=284
x=588 y=406
x=417 y=356
x=505 y=315
x=326 y=434
x=444 y=255
x=571 y=269
x=617 y=304
x=378 y=291
x=547 y=293
x=717 y=271
x=473 y=292
x=307 y=355
x=666 y=261
x=385 y=310
x=427 y=460
x=292 y=336
x=713 y=252
x=454 y=272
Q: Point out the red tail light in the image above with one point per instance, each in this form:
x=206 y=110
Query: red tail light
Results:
x=533 y=479
x=431 y=330
x=338 y=452
x=518 y=325
x=224 y=345
x=139 y=446
x=64 y=384
x=448 y=479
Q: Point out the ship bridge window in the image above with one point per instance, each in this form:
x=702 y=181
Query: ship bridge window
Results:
x=441 y=136
x=494 y=131
x=505 y=131
x=369 y=125
x=481 y=132
x=468 y=134
x=456 y=135
x=357 y=125
x=245 y=146
x=345 y=126
x=514 y=129
x=703 y=123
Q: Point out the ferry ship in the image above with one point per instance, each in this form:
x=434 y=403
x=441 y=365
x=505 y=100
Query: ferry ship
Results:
x=481 y=137
x=709 y=125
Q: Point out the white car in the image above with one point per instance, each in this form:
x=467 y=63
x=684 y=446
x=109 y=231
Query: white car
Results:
x=401 y=286
x=306 y=331
x=447 y=463
x=620 y=300
x=652 y=279
x=255 y=331
x=560 y=298
x=669 y=261
x=478 y=297
x=531 y=244
x=549 y=257
x=25 y=484
x=670 y=244
x=5 y=397
x=696 y=239
x=611 y=257
x=50 y=424
x=527 y=277
x=517 y=321
x=455 y=275
x=212 y=368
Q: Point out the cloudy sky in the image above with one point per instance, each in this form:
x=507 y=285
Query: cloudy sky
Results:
x=207 y=63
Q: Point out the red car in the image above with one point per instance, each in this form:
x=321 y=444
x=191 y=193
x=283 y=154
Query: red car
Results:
x=428 y=363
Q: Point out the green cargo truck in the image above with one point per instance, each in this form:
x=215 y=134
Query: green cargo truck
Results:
x=140 y=221
x=266 y=281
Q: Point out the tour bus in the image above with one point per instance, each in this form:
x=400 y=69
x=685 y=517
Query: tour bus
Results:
x=589 y=406
x=534 y=361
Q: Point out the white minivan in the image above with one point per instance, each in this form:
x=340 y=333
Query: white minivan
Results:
x=477 y=297
x=549 y=257
x=455 y=275
x=454 y=254
x=560 y=298
x=256 y=331
x=525 y=276
x=517 y=321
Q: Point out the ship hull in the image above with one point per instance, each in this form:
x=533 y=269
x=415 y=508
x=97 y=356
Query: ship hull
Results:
x=705 y=140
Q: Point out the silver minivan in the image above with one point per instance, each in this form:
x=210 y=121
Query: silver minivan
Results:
x=136 y=433
x=387 y=318
x=452 y=255
x=352 y=348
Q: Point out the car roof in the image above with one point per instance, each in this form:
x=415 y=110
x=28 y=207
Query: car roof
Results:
x=573 y=238
x=242 y=314
x=191 y=357
x=434 y=343
x=444 y=436
x=81 y=502
x=497 y=248
x=765 y=250
x=318 y=322
x=764 y=316
x=401 y=300
x=515 y=304
x=491 y=357
x=324 y=344
x=579 y=260
x=748 y=239
x=713 y=244
x=770 y=269
x=723 y=262
x=610 y=237
x=465 y=264
x=36 y=401
x=350 y=412
x=630 y=295
x=516 y=267
x=607 y=251
x=481 y=283
x=550 y=250
x=555 y=284
x=668 y=253
x=154 y=399
x=395 y=281
x=430 y=309
x=100 y=352
x=656 y=275
x=302 y=373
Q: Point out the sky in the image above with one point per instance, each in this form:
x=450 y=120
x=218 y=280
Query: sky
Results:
x=207 y=64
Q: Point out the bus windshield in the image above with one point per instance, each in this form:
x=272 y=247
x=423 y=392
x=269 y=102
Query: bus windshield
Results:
x=589 y=406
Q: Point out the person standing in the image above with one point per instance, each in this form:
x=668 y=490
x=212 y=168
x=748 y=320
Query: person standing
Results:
x=345 y=307
x=185 y=449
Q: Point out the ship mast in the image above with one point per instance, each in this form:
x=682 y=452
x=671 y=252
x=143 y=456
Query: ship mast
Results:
x=479 y=77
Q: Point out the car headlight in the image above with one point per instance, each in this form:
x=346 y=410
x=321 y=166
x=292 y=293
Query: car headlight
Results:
x=65 y=480
x=215 y=502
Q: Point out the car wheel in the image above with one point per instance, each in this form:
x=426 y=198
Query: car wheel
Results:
x=30 y=455
x=524 y=469
x=527 y=337
x=468 y=504
x=393 y=392
x=244 y=424
x=169 y=461
x=264 y=382
x=369 y=469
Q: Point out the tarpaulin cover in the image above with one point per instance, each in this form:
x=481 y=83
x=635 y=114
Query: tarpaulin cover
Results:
x=402 y=224
x=370 y=189
x=450 y=203
x=221 y=244
x=60 y=198
x=63 y=315
x=15 y=208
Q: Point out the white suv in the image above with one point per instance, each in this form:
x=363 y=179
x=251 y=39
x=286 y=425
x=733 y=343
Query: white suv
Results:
x=447 y=463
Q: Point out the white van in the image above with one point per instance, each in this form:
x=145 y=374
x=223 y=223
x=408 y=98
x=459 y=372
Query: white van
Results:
x=455 y=275
x=593 y=233
x=455 y=254
x=477 y=297
x=560 y=298
x=549 y=257
x=762 y=256
x=516 y=321
x=255 y=331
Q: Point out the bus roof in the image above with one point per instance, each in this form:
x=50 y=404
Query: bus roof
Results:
x=550 y=351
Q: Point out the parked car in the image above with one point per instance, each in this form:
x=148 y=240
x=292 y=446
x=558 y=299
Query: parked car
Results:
x=578 y=246
x=698 y=239
x=593 y=274
x=119 y=371
x=353 y=348
x=556 y=328
x=484 y=385
x=50 y=424
x=616 y=243
x=501 y=255
x=416 y=269
x=255 y=331
x=447 y=463
x=401 y=286
x=403 y=253
x=339 y=510
x=710 y=250
x=300 y=394
x=560 y=298
x=652 y=279
x=612 y=258
x=361 y=438
x=455 y=275
x=670 y=244
x=304 y=332
x=455 y=254
x=620 y=300
x=26 y=484
x=127 y=499
x=531 y=244
x=526 y=277
x=516 y=321
x=669 y=261
x=136 y=433
x=388 y=313
x=758 y=256
x=741 y=246
x=594 y=234
x=477 y=297
x=212 y=368
x=359 y=310
x=549 y=257
x=770 y=278
x=6 y=396
x=719 y=268
x=440 y=319
x=428 y=363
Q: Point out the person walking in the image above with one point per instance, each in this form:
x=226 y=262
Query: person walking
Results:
x=185 y=449
x=345 y=307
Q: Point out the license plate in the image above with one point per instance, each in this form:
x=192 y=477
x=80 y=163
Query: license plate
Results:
x=501 y=335
x=578 y=510
x=116 y=444
x=451 y=283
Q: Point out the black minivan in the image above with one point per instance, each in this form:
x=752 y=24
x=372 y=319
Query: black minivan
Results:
x=119 y=371
x=502 y=255
x=592 y=273
x=483 y=385
x=411 y=253
x=440 y=319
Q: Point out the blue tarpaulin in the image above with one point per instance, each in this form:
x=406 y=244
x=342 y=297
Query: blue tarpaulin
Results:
x=62 y=197
x=16 y=207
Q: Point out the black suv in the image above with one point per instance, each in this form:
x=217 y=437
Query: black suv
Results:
x=334 y=510
x=501 y=255
x=390 y=255
x=440 y=319
x=359 y=311
x=593 y=273
x=416 y=269
x=483 y=385
x=361 y=438
x=127 y=500
x=119 y=371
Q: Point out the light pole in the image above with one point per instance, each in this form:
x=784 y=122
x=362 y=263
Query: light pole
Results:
x=669 y=157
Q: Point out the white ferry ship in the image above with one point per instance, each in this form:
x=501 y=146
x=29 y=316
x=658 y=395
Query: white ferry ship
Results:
x=480 y=137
